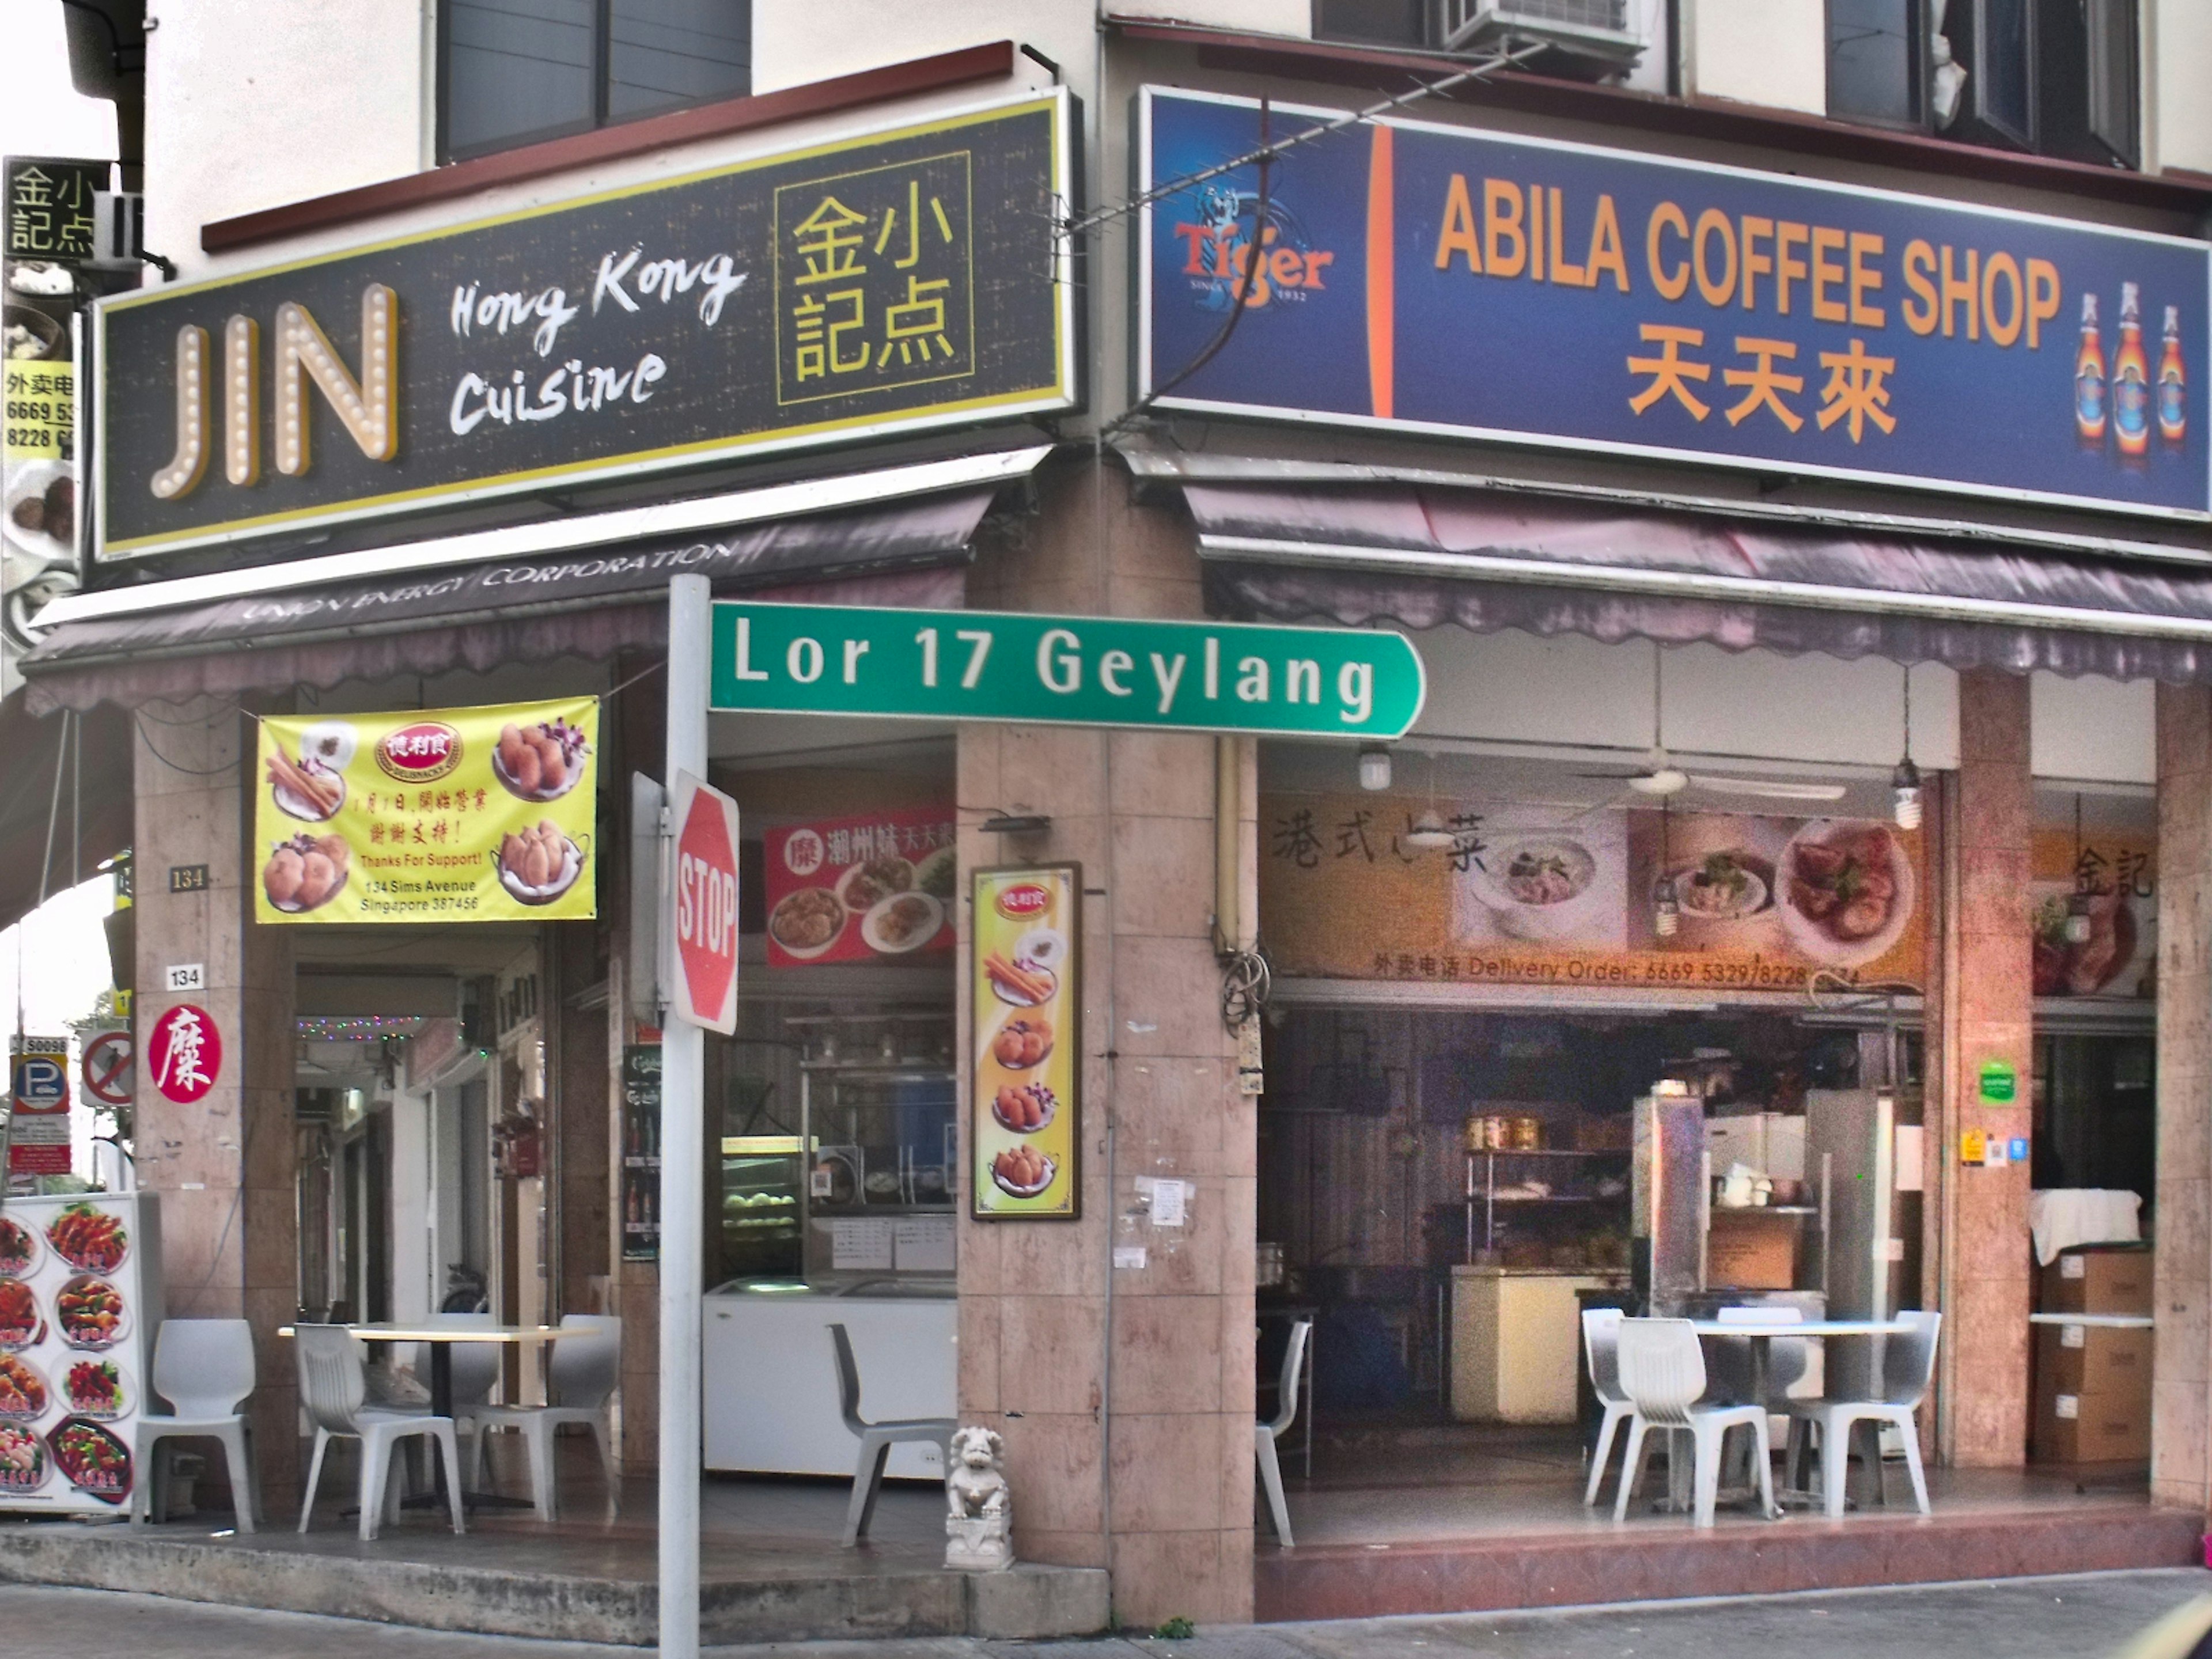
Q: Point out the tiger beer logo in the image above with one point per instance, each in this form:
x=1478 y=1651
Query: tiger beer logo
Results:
x=422 y=753
x=1024 y=902
x=1221 y=262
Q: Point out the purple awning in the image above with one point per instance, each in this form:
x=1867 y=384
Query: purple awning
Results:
x=590 y=604
x=1421 y=557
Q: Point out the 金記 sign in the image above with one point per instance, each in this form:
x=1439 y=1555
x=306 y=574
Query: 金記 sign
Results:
x=1091 y=670
x=908 y=277
x=1025 y=1118
x=1443 y=279
x=428 y=815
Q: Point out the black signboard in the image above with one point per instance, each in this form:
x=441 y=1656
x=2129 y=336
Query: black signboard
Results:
x=903 y=278
x=49 y=207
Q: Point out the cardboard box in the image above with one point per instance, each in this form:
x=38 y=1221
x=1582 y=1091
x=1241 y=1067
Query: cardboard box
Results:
x=2093 y=1359
x=1746 y=1250
x=2099 y=1279
x=2088 y=1428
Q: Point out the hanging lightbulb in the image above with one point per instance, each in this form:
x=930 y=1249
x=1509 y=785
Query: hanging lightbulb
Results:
x=1374 y=766
x=2078 y=927
x=1666 y=910
x=1904 y=782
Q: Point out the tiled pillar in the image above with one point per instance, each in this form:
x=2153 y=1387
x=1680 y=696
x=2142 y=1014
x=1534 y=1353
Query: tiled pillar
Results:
x=1125 y=1394
x=224 y=1166
x=1989 y=1018
x=2181 y=1378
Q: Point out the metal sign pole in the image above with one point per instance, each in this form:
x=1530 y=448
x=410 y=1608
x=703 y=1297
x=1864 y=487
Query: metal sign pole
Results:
x=683 y=1116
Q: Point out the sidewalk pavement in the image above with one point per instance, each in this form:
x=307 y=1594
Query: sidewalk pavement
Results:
x=2089 y=1616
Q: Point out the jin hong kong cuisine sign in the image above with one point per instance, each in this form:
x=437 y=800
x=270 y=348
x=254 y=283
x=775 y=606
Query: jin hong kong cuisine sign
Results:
x=902 y=278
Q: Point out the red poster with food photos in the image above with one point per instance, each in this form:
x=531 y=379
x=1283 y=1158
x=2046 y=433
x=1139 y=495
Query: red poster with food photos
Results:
x=871 y=889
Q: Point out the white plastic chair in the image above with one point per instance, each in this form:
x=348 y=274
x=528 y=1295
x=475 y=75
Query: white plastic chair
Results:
x=331 y=1388
x=1662 y=1372
x=1601 y=1338
x=1269 y=1431
x=876 y=1439
x=581 y=1377
x=1908 y=1363
x=204 y=1369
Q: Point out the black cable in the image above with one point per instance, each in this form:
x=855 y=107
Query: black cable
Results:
x=189 y=771
x=1256 y=251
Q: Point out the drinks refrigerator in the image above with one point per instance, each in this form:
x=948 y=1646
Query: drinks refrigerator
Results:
x=1667 y=1197
x=81 y=1303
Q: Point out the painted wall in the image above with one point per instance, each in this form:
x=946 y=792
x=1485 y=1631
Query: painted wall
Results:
x=2178 y=39
x=1757 y=52
x=250 y=107
x=795 y=41
x=2102 y=731
x=413 y=1295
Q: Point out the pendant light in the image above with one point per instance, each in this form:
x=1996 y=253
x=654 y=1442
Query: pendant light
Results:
x=1427 y=833
x=1666 y=912
x=1374 y=766
x=2078 y=929
x=1904 y=782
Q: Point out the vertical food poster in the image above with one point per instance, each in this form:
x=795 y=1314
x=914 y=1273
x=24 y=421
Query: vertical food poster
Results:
x=80 y=1307
x=1533 y=895
x=1025 y=1117
x=861 y=889
x=429 y=815
x=2115 y=874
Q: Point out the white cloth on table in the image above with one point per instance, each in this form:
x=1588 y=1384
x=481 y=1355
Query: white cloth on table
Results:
x=2066 y=1216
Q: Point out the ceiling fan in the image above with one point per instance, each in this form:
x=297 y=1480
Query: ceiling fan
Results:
x=1662 y=780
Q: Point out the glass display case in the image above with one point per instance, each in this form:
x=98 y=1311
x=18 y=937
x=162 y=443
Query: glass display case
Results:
x=762 y=1218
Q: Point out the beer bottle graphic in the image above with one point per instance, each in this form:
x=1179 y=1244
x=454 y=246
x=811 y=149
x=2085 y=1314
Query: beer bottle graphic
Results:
x=2089 y=379
x=2130 y=380
x=2172 y=385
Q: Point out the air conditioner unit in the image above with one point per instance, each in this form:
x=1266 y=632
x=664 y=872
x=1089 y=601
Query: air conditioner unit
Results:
x=119 y=220
x=1596 y=28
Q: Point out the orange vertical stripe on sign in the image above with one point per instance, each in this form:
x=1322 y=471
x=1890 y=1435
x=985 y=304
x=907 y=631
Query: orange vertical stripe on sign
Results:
x=1381 y=278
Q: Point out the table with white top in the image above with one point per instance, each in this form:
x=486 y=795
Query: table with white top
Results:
x=1762 y=1333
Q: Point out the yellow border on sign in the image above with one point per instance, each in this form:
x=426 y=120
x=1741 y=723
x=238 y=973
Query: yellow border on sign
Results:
x=1062 y=385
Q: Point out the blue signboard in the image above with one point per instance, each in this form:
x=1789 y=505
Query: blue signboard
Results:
x=1440 y=279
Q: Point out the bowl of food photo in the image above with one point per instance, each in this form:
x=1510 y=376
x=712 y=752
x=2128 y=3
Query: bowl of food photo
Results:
x=1536 y=887
x=1847 y=891
x=23 y=1396
x=1023 y=1172
x=807 y=923
x=864 y=886
x=900 y=923
x=1726 y=886
x=90 y=1239
x=89 y=1313
x=539 y=864
x=19 y=1248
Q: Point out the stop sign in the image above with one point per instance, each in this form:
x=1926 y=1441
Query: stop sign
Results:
x=702 y=906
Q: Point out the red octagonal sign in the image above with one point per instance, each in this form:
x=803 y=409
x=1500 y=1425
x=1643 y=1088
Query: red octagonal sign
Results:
x=702 y=906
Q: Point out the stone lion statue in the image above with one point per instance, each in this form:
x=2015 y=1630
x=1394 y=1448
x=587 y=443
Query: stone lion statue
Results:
x=976 y=1484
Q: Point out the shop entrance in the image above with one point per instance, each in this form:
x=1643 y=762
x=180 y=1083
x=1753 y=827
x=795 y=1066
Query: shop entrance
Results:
x=1446 y=1192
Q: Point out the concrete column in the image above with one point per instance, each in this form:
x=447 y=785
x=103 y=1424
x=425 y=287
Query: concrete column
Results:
x=224 y=1166
x=1126 y=1395
x=1989 y=1016
x=2181 y=1378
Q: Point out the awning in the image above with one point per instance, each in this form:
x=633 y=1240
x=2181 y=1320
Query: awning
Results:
x=590 y=604
x=1421 y=557
x=68 y=804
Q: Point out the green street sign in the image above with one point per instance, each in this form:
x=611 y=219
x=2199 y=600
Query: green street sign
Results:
x=1078 y=671
x=1999 y=1082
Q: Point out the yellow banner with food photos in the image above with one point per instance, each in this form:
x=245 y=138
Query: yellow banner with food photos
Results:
x=428 y=815
x=1025 y=1138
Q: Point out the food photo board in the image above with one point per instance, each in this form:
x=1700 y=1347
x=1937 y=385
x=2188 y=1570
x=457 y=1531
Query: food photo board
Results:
x=877 y=888
x=428 y=815
x=1026 y=1115
x=80 y=1307
x=1534 y=895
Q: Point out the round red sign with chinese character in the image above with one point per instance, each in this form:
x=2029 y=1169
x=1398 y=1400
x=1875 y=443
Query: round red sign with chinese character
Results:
x=184 y=1053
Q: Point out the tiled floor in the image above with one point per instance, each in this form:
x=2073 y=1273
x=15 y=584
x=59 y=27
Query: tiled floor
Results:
x=1404 y=1518
x=1396 y=1482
